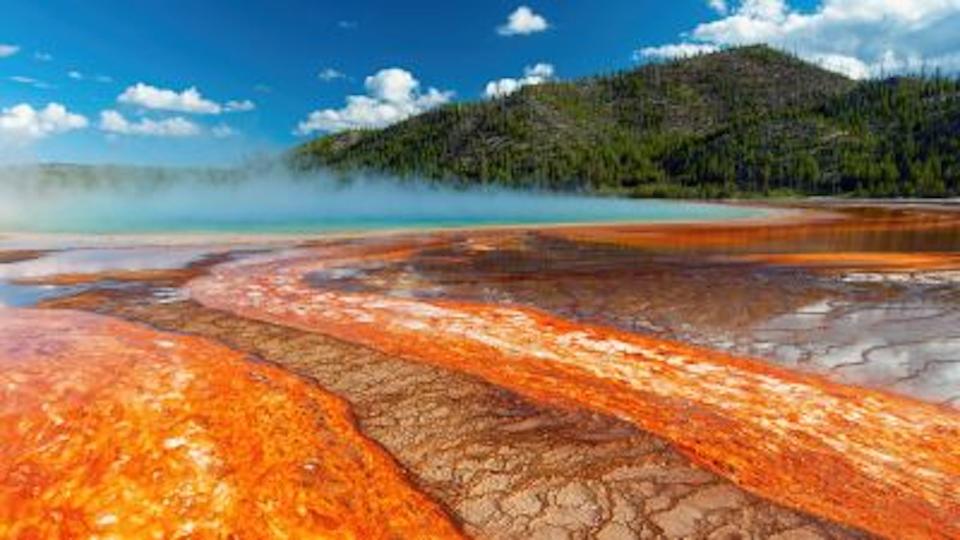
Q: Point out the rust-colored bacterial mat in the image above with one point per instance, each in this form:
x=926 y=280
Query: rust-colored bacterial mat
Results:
x=872 y=459
x=112 y=430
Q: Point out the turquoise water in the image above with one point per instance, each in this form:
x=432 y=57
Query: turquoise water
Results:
x=286 y=207
x=636 y=211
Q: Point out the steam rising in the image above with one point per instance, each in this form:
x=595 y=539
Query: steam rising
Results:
x=139 y=200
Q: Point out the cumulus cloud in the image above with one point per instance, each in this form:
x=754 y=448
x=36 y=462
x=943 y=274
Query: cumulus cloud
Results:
x=392 y=95
x=532 y=75
x=8 y=50
x=115 y=123
x=523 y=21
x=860 y=38
x=330 y=74
x=151 y=97
x=22 y=123
x=189 y=100
x=678 y=50
x=75 y=75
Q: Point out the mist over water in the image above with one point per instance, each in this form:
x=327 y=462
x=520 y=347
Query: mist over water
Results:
x=131 y=200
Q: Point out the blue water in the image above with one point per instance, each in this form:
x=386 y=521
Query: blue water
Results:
x=12 y=295
x=604 y=212
x=276 y=205
x=279 y=205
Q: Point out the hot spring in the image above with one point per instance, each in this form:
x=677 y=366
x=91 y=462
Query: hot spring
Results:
x=120 y=200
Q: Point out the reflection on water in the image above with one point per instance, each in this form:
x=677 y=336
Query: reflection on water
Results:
x=12 y=295
x=92 y=261
x=19 y=284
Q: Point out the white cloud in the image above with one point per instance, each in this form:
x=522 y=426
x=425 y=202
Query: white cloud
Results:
x=848 y=65
x=75 y=75
x=8 y=50
x=347 y=25
x=22 y=123
x=720 y=6
x=189 y=100
x=330 y=74
x=113 y=122
x=392 y=95
x=860 y=38
x=103 y=79
x=393 y=85
x=532 y=75
x=539 y=70
x=151 y=97
x=523 y=21
x=678 y=50
x=41 y=56
x=239 y=106
x=773 y=10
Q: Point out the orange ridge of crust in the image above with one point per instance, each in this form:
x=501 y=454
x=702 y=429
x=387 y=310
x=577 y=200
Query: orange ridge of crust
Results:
x=874 y=460
x=790 y=227
x=19 y=255
x=875 y=261
x=113 y=430
x=68 y=279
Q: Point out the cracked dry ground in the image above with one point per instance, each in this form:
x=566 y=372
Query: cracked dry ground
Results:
x=503 y=467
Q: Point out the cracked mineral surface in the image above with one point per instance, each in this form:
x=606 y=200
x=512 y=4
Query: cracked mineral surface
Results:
x=503 y=466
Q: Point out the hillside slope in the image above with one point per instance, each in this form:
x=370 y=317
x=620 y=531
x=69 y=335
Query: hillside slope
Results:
x=742 y=121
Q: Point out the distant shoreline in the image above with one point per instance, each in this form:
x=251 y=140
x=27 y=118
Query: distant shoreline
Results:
x=774 y=211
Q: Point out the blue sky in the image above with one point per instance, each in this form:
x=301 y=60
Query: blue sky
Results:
x=120 y=69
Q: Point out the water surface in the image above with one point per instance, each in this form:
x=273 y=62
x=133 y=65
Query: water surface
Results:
x=278 y=204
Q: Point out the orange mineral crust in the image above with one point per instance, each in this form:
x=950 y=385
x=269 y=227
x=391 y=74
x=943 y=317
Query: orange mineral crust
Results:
x=887 y=464
x=880 y=262
x=112 y=430
x=844 y=229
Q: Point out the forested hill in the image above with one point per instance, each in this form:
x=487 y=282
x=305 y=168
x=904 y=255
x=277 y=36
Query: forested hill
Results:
x=744 y=121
